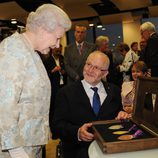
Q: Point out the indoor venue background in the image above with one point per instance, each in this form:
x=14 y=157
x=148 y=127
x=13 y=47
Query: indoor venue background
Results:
x=118 y=19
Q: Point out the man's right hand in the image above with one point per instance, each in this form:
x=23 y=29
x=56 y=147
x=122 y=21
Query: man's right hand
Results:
x=57 y=68
x=83 y=133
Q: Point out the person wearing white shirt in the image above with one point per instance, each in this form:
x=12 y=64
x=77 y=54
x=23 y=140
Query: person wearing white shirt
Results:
x=130 y=58
x=75 y=107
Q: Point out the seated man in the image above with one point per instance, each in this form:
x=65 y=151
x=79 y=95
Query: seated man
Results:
x=76 y=107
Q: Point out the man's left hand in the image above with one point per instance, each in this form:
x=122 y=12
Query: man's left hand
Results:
x=122 y=115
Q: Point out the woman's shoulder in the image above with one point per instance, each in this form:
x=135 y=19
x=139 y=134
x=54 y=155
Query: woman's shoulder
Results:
x=13 y=45
x=129 y=83
x=129 y=53
x=127 y=86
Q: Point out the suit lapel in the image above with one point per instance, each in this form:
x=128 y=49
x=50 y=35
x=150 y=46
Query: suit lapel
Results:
x=85 y=100
x=107 y=100
x=77 y=55
x=85 y=50
x=75 y=50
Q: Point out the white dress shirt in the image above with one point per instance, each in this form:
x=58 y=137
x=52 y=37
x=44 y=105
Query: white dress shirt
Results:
x=101 y=91
x=58 y=64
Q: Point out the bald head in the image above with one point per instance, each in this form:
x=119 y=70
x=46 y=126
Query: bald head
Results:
x=101 y=57
x=96 y=67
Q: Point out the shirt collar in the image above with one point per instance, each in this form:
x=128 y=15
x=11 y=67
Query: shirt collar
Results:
x=99 y=85
x=79 y=43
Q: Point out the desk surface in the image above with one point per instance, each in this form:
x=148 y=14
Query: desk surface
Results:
x=95 y=152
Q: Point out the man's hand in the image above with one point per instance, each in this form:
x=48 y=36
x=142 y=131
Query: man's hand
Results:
x=122 y=115
x=83 y=133
x=57 y=68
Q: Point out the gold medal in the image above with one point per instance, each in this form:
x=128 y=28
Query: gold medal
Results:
x=137 y=134
x=125 y=137
x=114 y=127
x=120 y=132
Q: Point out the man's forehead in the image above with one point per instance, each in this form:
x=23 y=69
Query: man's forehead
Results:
x=93 y=58
x=80 y=28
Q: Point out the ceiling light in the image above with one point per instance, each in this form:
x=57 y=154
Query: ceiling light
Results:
x=99 y=26
x=103 y=28
x=91 y=25
x=13 y=21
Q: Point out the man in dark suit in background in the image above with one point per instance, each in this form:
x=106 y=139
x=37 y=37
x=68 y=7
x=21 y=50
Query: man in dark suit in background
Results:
x=76 y=54
x=150 y=55
x=54 y=65
x=74 y=107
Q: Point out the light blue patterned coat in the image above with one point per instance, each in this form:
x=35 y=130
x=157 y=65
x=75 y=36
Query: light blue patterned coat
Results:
x=24 y=95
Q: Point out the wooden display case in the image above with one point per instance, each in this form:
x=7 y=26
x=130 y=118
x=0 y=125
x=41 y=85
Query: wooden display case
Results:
x=144 y=123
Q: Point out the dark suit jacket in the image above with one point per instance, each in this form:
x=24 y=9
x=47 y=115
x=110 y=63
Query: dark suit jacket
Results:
x=74 y=62
x=151 y=54
x=110 y=76
x=51 y=64
x=54 y=78
x=73 y=109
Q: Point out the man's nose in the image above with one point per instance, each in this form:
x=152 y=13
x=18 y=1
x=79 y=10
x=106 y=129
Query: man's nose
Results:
x=58 y=44
x=91 y=68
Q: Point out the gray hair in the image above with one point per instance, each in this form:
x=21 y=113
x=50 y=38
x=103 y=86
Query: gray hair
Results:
x=101 y=39
x=147 y=26
x=48 y=16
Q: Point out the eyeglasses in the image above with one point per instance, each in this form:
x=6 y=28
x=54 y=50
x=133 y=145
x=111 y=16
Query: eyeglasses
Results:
x=142 y=31
x=95 y=68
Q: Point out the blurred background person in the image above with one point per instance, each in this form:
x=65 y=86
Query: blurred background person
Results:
x=142 y=45
x=102 y=44
x=139 y=68
x=134 y=47
x=76 y=54
x=56 y=71
x=150 y=56
x=25 y=87
x=117 y=60
x=129 y=58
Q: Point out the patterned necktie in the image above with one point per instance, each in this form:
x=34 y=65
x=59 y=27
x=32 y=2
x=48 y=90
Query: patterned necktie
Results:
x=80 y=48
x=96 y=100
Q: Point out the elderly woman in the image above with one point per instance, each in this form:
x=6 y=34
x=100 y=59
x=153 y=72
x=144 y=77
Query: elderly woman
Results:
x=102 y=44
x=139 y=68
x=24 y=84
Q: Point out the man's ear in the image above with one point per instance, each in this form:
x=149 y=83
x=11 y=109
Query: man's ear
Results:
x=105 y=74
